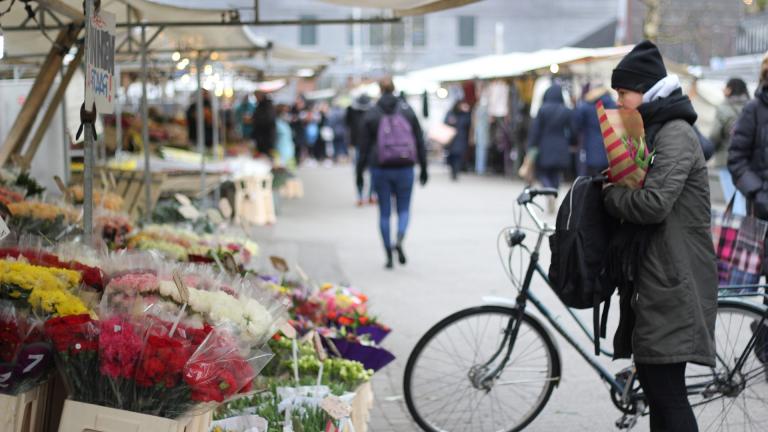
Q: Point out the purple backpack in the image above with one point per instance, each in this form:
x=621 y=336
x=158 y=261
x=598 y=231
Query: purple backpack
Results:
x=395 y=142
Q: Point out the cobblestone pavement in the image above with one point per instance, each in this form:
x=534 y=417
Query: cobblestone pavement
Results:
x=452 y=263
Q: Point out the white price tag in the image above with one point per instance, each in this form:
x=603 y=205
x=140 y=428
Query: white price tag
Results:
x=225 y=208
x=336 y=408
x=4 y=230
x=183 y=200
x=189 y=212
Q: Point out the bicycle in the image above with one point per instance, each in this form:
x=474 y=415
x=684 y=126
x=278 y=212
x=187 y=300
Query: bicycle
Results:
x=506 y=375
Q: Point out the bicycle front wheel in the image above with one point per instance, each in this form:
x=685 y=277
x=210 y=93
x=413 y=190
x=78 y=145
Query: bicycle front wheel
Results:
x=440 y=391
x=734 y=394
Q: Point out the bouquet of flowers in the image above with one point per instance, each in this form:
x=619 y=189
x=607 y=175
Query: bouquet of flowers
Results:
x=624 y=138
x=40 y=218
x=171 y=339
x=28 y=294
x=114 y=228
x=9 y=195
x=91 y=276
x=105 y=200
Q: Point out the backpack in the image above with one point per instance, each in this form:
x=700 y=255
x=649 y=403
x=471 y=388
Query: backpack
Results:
x=577 y=271
x=395 y=142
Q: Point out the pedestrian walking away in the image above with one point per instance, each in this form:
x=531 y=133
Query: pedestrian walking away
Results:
x=354 y=119
x=550 y=138
x=586 y=127
x=663 y=252
x=264 y=124
x=460 y=118
x=392 y=143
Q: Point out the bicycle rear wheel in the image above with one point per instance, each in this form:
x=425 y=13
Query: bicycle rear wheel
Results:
x=724 y=399
x=440 y=393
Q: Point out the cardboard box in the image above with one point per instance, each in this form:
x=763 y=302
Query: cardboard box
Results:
x=24 y=412
x=82 y=417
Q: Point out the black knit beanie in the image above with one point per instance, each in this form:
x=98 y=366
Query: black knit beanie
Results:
x=639 y=70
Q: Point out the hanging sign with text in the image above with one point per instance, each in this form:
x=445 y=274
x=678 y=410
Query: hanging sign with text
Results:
x=100 y=80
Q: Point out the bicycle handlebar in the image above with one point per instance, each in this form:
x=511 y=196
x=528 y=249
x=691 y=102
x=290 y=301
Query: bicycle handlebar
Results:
x=526 y=199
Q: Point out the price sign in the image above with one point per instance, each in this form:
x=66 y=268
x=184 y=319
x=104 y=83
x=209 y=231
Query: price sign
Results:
x=100 y=69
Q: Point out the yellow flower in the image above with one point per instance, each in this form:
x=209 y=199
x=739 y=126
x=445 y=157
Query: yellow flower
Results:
x=50 y=287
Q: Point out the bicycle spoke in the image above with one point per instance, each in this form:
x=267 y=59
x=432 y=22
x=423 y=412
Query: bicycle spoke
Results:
x=443 y=394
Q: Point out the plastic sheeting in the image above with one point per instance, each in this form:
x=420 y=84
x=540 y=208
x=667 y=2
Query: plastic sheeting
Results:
x=513 y=64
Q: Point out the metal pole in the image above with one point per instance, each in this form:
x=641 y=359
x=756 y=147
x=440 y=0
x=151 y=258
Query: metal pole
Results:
x=88 y=170
x=118 y=114
x=200 y=123
x=216 y=138
x=145 y=128
x=65 y=132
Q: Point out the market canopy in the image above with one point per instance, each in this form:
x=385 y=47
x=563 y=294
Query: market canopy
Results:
x=405 y=7
x=514 y=64
x=33 y=43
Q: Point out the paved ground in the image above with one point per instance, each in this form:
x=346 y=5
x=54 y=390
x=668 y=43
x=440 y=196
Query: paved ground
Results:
x=453 y=263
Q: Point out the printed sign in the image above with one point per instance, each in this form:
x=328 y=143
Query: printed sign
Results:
x=100 y=74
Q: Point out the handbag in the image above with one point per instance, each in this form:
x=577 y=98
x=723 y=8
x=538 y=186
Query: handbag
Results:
x=441 y=133
x=740 y=245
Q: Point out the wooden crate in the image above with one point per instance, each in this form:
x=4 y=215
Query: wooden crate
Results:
x=254 y=202
x=82 y=417
x=130 y=186
x=24 y=412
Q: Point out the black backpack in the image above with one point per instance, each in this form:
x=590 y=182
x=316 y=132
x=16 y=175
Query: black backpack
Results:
x=577 y=270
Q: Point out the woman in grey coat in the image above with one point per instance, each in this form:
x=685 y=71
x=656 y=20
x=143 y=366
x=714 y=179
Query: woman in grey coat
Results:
x=672 y=290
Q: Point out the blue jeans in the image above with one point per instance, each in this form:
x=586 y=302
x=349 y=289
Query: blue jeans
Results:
x=389 y=182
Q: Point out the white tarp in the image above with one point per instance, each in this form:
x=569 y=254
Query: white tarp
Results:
x=34 y=43
x=513 y=64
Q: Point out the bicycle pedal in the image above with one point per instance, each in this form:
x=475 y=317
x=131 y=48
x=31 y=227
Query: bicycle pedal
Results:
x=627 y=421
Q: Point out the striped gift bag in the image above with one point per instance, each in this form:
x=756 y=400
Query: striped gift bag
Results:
x=628 y=157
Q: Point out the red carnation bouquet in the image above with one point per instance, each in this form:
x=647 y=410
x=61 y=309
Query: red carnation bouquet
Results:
x=171 y=341
x=25 y=357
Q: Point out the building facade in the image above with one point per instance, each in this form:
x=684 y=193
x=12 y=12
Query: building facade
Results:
x=483 y=28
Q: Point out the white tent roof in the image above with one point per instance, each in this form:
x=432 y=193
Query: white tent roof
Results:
x=405 y=7
x=23 y=43
x=513 y=64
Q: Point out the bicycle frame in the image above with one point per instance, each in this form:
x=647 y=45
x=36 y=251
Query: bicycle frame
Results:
x=526 y=295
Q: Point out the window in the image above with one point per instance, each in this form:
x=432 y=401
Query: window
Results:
x=466 y=31
x=308 y=32
x=418 y=31
x=350 y=33
x=376 y=34
x=397 y=34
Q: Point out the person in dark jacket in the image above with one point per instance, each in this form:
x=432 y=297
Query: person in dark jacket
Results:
x=207 y=120
x=748 y=158
x=299 y=127
x=748 y=153
x=354 y=119
x=586 y=127
x=391 y=181
x=264 y=124
x=551 y=136
x=460 y=118
x=670 y=293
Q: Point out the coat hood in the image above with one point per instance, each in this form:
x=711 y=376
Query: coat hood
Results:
x=676 y=106
x=388 y=102
x=363 y=102
x=554 y=95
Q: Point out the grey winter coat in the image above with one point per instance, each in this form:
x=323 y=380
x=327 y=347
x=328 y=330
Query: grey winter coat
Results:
x=726 y=116
x=675 y=298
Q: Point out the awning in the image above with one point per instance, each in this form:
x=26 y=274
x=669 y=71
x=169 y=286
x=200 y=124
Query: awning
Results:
x=405 y=7
x=513 y=64
x=33 y=43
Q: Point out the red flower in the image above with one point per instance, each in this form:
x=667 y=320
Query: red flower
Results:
x=10 y=339
x=345 y=321
x=76 y=333
x=163 y=361
x=363 y=320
